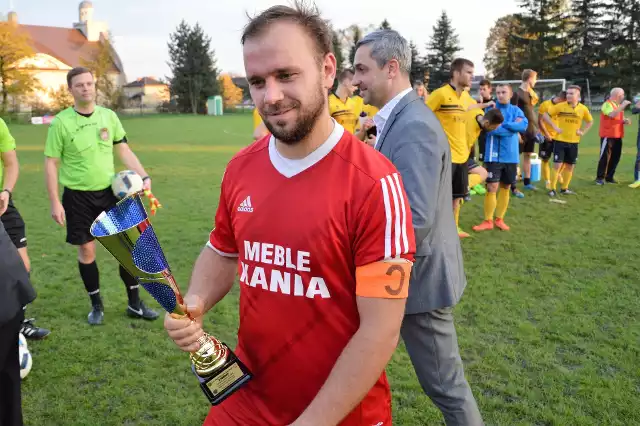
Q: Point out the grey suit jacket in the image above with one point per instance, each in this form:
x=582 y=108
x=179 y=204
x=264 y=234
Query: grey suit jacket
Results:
x=414 y=141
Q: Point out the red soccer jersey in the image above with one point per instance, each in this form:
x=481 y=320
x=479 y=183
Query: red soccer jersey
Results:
x=300 y=229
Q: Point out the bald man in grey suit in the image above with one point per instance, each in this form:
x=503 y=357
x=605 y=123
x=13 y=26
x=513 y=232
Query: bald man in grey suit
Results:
x=410 y=135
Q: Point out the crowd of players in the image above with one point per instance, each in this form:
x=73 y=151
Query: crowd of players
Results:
x=505 y=127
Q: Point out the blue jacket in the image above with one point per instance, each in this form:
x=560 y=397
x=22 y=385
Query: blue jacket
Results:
x=502 y=145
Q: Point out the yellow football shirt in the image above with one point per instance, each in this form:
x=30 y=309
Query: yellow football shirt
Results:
x=256 y=119
x=569 y=120
x=544 y=108
x=451 y=111
x=473 y=128
x=346 y=113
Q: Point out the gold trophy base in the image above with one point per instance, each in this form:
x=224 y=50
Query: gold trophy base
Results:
x=225 y=380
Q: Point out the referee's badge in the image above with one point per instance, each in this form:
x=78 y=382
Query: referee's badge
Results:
x=104 y=134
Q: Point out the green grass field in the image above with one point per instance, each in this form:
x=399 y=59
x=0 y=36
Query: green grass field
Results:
x=548 y=326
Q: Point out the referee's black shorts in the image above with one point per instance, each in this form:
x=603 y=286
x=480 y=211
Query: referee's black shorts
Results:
x=14 y=225
x=81 y=210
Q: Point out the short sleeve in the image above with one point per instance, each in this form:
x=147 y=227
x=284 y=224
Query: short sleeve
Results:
x=54 y=144
x=434 y=101
x=543 y=108
x=118 y=131
x=7 y=142
x=587 y=115
x=384 y=227
x=222 y=240
x=385 y=242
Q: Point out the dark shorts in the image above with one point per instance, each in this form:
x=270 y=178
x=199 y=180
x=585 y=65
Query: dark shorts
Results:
x=564 y=152
x=545 y=150
x=471 y=164
x=459 y=180
x=81 y=210
x=504 y=173
x=529 y=144
x=14 y=226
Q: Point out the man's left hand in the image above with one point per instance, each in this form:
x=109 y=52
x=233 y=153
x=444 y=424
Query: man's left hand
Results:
x=4 y=202
x=146 y=184
x=580 y=132
x=371 y=140
x=627 y=121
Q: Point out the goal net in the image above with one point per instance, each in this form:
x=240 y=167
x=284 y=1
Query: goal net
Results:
x=545 y=89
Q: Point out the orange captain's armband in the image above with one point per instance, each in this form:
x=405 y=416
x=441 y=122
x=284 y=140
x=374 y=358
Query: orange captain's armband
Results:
x=386 y=279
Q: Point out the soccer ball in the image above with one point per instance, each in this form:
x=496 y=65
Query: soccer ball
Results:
x=125 y=183
x=26 y=362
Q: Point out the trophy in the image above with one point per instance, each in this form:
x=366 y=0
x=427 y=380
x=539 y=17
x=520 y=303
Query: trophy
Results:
x=126 y=232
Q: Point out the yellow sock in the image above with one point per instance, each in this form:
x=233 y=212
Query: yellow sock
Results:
x=474 y=180
x=554 y=178
x=456 y=214
x=567 y=174
x=546 y=173
x=489 y=205
x=503 y=202
x=560 y=179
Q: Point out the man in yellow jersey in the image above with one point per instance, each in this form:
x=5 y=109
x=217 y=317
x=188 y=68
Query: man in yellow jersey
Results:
x=259 y=129
x=450 y=104
x=570 y=116
x=342 y=107
x=545 y=150
x=365 y=130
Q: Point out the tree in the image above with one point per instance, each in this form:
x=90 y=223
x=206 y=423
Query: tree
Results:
x=192 y=63
x=505 y=48
x=545 y=24
x=385 y=25
x=441 y=50
x=623 y=50
x=102 y=63
x=231 y=94
x=16 y=78
x=356 y=36
x=60 y=98
x=337 y=49
x=587 y=36
x=417 y=66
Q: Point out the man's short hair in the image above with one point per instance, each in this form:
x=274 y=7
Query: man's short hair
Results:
x=504 y=85
x=387 y=45
x=307 y=17
x=418 y=83
x=494 y=116
x=74 y=72
x=527 y=74
x=575 y=87
x=485 y=83
x=345 y=73
x=458 y=65
x=562 y=94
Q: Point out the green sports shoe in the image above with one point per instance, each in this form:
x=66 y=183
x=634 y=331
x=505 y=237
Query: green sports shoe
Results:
x=480 y=189
x=473 y=192
x=635 y=184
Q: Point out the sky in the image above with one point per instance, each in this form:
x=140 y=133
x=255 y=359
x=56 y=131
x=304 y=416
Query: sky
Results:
x=141 y=28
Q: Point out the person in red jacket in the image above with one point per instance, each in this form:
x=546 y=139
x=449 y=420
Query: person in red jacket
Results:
x=612 y=124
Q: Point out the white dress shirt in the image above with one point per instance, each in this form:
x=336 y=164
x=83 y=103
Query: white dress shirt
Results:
x=380 y=119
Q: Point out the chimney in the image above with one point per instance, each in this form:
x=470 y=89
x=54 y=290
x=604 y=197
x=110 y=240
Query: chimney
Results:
x=12 y=18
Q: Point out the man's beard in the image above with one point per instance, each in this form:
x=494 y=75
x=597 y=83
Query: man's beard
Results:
x=303 y=125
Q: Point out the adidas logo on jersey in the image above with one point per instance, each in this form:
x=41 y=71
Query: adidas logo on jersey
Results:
x=246 y=206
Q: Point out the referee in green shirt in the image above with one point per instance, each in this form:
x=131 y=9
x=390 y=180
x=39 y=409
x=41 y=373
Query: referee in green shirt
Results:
x=79 y=156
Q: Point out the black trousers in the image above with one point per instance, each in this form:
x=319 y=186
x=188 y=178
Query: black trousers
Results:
x=10 y=397
x=610 y=153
